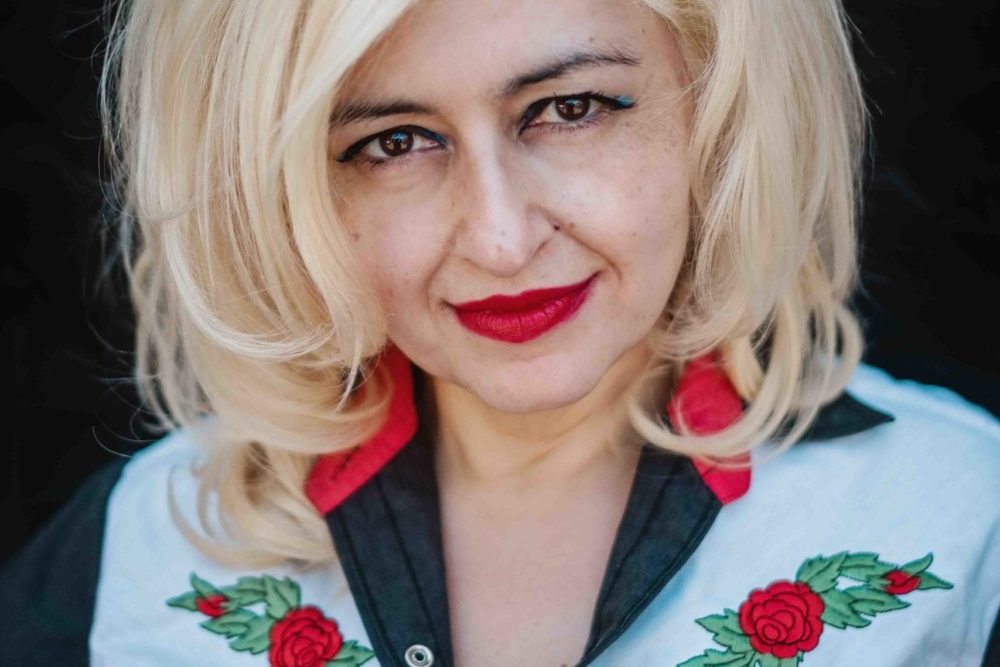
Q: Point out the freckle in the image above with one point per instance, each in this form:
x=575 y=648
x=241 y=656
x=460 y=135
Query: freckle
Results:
x=356 y=235
x=572 y=225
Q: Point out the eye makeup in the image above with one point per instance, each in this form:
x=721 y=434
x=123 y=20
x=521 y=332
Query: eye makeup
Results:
x=400 y=133
x=613 y=103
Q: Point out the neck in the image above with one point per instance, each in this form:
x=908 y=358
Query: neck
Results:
x=480 y=448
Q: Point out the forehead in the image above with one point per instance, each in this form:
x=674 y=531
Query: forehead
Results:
x=441 y=47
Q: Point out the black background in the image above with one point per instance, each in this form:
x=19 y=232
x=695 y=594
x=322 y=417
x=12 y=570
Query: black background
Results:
x=930 y=235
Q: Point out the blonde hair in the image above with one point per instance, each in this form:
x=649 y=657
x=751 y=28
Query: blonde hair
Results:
x=250 y=306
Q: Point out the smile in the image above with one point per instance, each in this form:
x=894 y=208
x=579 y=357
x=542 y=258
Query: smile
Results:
x=522 y=317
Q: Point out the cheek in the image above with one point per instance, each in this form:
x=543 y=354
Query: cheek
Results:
x=658 y=227
x=629 y=204
x=399 y=247
x=629 y=200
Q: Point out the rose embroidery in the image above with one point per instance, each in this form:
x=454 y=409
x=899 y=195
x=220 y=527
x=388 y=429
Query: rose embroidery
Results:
x=294 y=635
x=777 y=625
x=211 y=605
x=900 y=582
x=304 y=638
x=782 y=619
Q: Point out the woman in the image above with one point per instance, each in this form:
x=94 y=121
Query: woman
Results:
x=471 y=324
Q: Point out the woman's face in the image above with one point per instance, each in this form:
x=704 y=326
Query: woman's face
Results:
x=460 y=178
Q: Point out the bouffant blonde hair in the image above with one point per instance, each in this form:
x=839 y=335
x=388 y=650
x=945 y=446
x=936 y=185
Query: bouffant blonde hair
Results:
x=252 y=313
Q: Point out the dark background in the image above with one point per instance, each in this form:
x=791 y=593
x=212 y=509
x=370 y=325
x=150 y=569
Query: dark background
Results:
x=930 y=232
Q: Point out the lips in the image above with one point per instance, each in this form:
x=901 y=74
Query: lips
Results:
x=522 y=317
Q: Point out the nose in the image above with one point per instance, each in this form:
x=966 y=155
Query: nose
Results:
x=498 y=227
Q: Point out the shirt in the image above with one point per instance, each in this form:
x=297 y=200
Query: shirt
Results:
x=875 y=540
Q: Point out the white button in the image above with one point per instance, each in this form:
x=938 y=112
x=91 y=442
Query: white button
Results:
x=419 y=655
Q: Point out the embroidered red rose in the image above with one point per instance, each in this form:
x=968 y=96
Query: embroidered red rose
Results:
x=783 y=618
x=900 y=582
x=211 y=605
x=304 y=638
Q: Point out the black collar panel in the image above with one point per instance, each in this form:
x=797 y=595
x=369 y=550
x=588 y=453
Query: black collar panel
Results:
x=388 y=537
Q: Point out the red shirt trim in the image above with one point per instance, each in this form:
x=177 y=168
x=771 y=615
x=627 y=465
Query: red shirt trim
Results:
x=705 y=400
x=336 y=476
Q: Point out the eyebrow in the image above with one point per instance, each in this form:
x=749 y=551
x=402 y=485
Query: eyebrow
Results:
x=560 y=66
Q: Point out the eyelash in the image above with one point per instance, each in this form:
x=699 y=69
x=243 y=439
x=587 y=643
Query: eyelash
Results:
x=535 y=109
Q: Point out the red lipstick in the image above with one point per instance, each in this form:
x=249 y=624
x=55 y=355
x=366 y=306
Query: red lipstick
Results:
x=521 y=317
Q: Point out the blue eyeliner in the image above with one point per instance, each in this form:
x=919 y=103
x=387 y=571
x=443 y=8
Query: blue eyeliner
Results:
x=354 y=148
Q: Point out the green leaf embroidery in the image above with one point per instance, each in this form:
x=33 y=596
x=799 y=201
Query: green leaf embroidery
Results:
x=184 y=601
x=765 y=660
x=202 y=587
x=917 y=566
x=839 y=610
x=713 y=658
x=231 y=624
x=280 y=596
x=789 y=662
x=247 y=591
x=351 y=653
x=256 y=639
x=873 y=601
x=928 y=580
x=863 y=566
x=725 y=629
x=821 y=573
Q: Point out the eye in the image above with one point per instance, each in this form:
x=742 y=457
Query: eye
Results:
x=575 y=108
x=394 y=145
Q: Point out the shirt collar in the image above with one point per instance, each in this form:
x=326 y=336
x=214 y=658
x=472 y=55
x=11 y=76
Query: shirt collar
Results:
x=704 y=399
x=381 y=504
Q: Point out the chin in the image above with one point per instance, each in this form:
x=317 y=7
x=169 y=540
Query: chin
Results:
x=538 y=386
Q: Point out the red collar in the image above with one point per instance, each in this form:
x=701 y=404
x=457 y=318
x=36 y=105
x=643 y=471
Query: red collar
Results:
x=704 y=399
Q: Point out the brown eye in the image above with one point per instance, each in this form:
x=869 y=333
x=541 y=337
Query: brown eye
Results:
x=572 y=108
x=393 y=145
x=395 y=142
x=567 y=113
